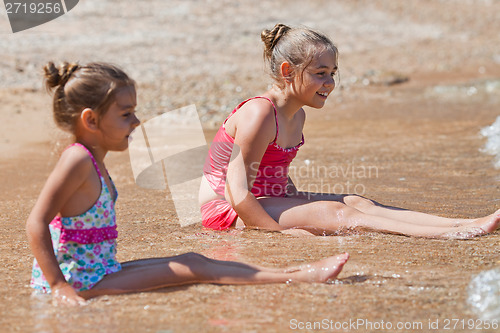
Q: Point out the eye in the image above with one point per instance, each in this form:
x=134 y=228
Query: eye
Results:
x=321 y=74
x=128 y=114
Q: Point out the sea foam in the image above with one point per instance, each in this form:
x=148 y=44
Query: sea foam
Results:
x=492 y=146
x=484 y=294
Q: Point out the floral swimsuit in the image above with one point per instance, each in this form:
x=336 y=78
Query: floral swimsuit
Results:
x=84 y=245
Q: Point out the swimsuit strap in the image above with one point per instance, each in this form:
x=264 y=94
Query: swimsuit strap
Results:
x=90 y=154
x=275 y=117
x=275 y=113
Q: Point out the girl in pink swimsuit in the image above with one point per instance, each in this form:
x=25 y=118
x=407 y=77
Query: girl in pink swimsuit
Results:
x=72 y=227
x=246 y=179
x=271 y=179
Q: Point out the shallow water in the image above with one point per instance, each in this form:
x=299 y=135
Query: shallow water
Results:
x=389 y=278
x=486 y=91
x=399 y=280
x=379 y=283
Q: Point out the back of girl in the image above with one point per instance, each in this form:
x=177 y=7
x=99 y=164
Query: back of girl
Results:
x=246 y=180
x=72 y=228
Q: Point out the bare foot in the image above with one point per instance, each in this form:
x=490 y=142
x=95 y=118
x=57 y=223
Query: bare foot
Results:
x=478 y=227
x=470 y=222
x=321 y=271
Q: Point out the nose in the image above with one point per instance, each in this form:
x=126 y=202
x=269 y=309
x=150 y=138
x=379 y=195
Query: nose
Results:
x=330 y=83
x=136 y=122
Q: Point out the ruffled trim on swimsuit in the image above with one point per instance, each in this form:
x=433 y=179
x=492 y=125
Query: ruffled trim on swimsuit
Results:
x=287 y=150
x=85 y=236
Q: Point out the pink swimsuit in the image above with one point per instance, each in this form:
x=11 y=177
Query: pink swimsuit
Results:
x=271 y=180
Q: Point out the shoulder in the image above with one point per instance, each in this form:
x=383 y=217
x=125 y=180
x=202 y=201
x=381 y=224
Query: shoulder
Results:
x=257 y=108
x=75 y=162
x=257 y=116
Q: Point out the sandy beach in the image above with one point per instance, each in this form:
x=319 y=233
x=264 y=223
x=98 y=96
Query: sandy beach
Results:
x=418 y=81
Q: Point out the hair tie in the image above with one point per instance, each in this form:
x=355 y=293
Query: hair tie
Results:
x=67 y=72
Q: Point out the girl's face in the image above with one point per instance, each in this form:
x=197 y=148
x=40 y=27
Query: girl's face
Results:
x=316 y=82
x=119 y=121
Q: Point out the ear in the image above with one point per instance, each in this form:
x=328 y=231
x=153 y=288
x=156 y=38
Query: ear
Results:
x=286 y=71
x=89 y=119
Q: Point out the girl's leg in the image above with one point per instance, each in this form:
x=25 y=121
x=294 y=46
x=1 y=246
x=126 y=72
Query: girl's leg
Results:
x=331 y=216
x=165 y=260
x=372 y=207
x=190 y=268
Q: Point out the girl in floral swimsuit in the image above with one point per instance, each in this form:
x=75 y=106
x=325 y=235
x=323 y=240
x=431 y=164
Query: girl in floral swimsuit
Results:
x=72 y=227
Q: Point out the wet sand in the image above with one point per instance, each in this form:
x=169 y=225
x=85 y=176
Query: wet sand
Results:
x=420 y=139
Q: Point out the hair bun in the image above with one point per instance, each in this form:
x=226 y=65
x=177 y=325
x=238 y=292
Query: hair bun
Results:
x=58 y=76
x=271 y=38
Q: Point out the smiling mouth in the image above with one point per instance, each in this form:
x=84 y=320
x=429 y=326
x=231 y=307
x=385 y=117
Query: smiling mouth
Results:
x=324 y=94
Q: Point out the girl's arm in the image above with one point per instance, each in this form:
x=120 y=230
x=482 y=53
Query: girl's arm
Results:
x=72 y=170
x=254 y=130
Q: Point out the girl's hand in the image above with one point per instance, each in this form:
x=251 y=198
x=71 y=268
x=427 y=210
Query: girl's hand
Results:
x=67 y=296
x=297 y=232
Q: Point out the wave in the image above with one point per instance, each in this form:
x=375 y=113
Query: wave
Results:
x=492 y=146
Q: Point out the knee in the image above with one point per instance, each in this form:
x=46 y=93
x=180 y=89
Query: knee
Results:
x=191 y=258
x=339 y=211
x=333 y=215
x=195 y=261
x=199 y=266
x=359 y=203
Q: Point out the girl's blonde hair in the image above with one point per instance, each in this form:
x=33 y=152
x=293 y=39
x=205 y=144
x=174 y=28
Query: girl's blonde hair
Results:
x=79 y=87
x=297 y=46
